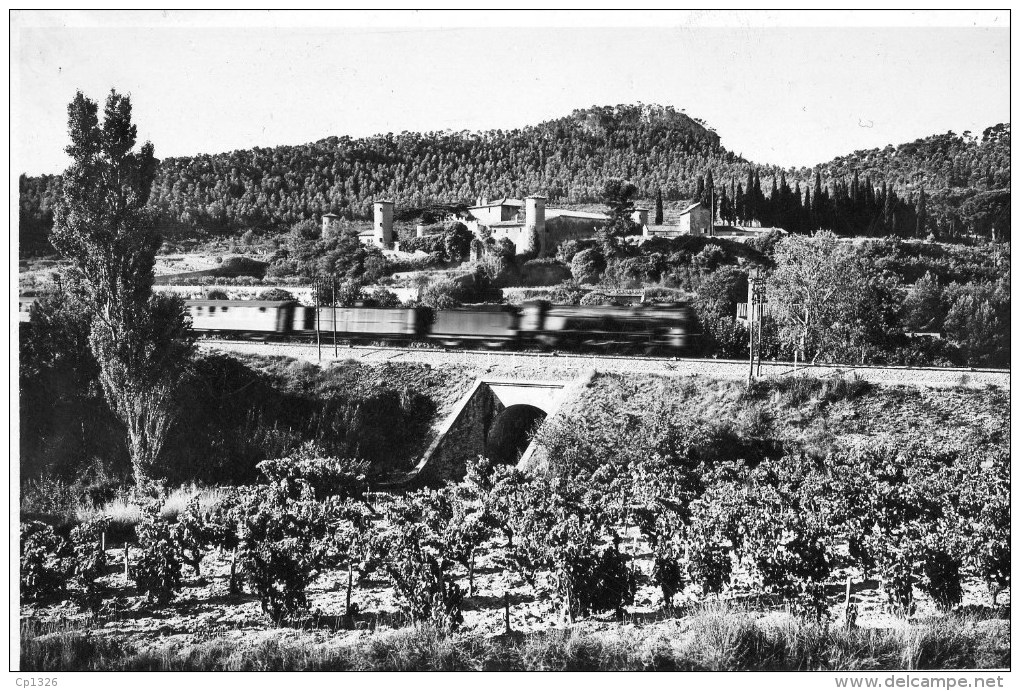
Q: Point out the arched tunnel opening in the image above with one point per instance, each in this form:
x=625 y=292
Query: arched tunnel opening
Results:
x=511 y=432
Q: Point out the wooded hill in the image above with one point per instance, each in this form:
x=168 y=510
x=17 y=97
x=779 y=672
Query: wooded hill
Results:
x=966 y=178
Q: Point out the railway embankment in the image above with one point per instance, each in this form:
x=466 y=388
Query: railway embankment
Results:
x=407 y=398
x=556 y=365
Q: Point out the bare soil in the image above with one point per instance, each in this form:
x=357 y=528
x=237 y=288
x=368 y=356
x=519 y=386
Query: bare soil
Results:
x=205 y=609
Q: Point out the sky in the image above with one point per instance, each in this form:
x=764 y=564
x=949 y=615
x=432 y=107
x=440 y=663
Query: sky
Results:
x=776 y=91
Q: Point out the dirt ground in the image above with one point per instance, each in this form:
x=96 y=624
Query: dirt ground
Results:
x=205 y=609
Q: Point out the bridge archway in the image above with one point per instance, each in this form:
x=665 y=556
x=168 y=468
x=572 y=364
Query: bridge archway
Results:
x=497 y=418
x=512 y=431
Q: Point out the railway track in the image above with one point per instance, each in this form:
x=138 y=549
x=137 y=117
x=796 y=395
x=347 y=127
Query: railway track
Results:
x=539 y=361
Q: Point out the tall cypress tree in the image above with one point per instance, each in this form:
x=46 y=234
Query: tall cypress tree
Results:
x=818 y=211
x=733 y=201
x=750 y=202
x=922 y=214
x=759 y=198
x=710 y=194
x=658 y=207
x=808 y=213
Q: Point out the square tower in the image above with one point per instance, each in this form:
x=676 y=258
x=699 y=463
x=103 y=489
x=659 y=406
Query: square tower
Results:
x=382 y=227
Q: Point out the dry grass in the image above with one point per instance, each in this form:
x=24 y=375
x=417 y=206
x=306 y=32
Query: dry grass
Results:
x=711 y=637
x=123 y=512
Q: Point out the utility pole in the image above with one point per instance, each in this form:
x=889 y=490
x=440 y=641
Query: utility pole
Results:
x=755 y=313
x=333 y=282
x=751 y=276
x=318 y=340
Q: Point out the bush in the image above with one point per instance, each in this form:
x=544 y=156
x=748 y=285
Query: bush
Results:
x=217 y=294
x=299 y=523
x=457 y=242
x=428 y=244
x=587 y=266
x=418 y=562
x=348 y=294
x=196 y=530
x=544 y=272
x=595 y=298
x=242 y=266
x=44 y=562
x=158 y=569
x=566 y=250
x=88 y=562
x=275 y=295
x=442 y=294
x=978 y=321
x=380 y=297
x=941 y=576
x=710 y=258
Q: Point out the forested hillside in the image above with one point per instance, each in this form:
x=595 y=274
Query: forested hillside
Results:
x=965 y=179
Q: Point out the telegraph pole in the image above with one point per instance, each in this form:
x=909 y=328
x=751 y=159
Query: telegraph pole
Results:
x=318 y=340
x=755 y=309
x=752 y=276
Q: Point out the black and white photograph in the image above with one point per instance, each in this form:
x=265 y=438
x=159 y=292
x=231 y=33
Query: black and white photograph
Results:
x=516 y=340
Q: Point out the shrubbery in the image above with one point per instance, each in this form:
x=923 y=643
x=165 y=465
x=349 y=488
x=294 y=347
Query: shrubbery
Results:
x=157 y=571
x=88 y=562
x=451 y=241
x=418 y=558
x=918 y=514
x=306 y=518
x=587 y=266
x=275 y=295
x=44 y=562
x=241 y=266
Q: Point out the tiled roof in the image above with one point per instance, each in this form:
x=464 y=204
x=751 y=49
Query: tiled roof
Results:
x=567 y=213
x=505 y=201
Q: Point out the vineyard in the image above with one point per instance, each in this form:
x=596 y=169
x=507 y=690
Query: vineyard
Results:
x=659 y=503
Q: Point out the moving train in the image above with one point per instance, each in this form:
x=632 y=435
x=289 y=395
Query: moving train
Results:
x=645 y=327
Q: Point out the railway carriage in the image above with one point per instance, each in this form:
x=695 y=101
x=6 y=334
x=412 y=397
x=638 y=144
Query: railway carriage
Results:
x=642 y=327
x=241 y=316
x=364 y=322
x=487 y=326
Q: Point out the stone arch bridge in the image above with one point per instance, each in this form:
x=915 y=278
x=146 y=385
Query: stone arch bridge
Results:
x=498 y=419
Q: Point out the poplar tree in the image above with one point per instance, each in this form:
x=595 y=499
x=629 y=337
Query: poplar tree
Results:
x=140 y=339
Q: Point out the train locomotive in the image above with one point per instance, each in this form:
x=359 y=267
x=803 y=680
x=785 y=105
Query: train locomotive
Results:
x=639 y=328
